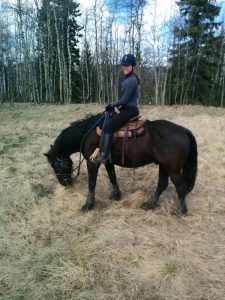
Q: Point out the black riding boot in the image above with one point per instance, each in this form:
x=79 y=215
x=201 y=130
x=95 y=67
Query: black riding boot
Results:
x=107 y=141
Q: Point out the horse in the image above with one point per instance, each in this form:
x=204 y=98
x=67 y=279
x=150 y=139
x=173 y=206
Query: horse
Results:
x=170 y=146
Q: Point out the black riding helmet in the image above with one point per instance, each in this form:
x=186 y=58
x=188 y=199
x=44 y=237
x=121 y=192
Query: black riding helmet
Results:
x=128 y=59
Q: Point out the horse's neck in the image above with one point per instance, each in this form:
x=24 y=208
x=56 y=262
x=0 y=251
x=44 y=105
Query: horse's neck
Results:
x=67 y=148
x=71 y=138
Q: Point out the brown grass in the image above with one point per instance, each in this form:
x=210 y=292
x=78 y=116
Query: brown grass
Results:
x=50 y=250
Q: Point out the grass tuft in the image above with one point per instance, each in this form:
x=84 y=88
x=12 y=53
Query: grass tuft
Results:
x=169 y=268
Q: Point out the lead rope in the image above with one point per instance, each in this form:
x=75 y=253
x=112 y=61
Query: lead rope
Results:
x=93 y=156
x=106 y=116
x=103 y=127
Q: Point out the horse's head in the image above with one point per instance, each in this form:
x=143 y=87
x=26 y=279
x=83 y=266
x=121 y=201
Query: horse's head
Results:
x=63 y=167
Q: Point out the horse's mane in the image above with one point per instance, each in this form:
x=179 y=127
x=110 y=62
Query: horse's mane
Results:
x=87 y=122
x=74 y=133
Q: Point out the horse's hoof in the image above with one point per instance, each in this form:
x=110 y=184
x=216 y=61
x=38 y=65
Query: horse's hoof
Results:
x=116 y=196
x=147 y=206
x=178 y=214
x=86 y=208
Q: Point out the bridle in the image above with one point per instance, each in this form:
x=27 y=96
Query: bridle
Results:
x=61 y=165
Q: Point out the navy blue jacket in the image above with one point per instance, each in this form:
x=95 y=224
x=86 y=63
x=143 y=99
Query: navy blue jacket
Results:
x=129 y=90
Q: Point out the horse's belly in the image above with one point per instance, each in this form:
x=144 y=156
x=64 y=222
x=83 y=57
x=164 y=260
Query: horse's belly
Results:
x=132 y=161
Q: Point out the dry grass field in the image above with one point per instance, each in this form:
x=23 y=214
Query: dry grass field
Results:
x=49 y=249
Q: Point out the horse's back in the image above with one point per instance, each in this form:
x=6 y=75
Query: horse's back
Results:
x=170 y=142
x=166 y=130
x=165 y=125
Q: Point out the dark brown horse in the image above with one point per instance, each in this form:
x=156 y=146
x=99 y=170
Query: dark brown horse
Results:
x=164 y=143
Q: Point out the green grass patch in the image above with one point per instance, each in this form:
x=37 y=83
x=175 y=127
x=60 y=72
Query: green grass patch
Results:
x=170 y=268
x=41 y=191
x=42 y=273
x=11 y=143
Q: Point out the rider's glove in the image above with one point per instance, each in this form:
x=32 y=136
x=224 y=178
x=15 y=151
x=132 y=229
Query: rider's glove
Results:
x=109 y=108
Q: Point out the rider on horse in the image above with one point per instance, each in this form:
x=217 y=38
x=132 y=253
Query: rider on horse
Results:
x=127 y=105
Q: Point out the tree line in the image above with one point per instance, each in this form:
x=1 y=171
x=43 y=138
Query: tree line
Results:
x=52 y=52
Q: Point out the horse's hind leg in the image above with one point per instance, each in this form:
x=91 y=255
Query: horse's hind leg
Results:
x=162 y=185
x=116 y=193
x=181 y=188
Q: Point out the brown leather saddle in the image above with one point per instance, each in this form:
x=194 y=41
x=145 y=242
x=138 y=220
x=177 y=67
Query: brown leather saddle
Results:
x=134 y=127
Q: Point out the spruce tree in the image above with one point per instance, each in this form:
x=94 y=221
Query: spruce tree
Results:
x=59 y=34
x=194 y=55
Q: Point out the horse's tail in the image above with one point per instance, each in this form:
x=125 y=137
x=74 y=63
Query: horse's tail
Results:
x=191 y=164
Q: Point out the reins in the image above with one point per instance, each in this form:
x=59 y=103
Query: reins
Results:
x=106 y=116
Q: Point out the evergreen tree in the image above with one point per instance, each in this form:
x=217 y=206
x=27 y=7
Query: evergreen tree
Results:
x=194 y=55
x=59 y=35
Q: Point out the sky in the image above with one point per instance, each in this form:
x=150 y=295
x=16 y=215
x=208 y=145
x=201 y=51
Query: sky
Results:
x=163 y=8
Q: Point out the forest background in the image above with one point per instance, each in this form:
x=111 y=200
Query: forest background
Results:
x=58 y=52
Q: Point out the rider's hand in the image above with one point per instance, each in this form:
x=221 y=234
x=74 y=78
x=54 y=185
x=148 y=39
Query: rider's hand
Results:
x=109 y=107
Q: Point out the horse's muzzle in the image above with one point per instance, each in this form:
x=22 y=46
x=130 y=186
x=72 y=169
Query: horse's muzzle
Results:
x=65 y=181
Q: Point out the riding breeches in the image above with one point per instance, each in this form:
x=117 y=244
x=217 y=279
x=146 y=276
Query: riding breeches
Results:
x=120 y=119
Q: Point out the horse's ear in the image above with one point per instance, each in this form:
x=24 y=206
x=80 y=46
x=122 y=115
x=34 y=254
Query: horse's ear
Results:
x=48 y=155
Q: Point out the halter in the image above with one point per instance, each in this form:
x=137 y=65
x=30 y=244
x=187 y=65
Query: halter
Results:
x=61 y=164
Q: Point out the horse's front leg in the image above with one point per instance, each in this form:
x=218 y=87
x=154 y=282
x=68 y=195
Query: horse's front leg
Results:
x=116 y=193
x=92 y=177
